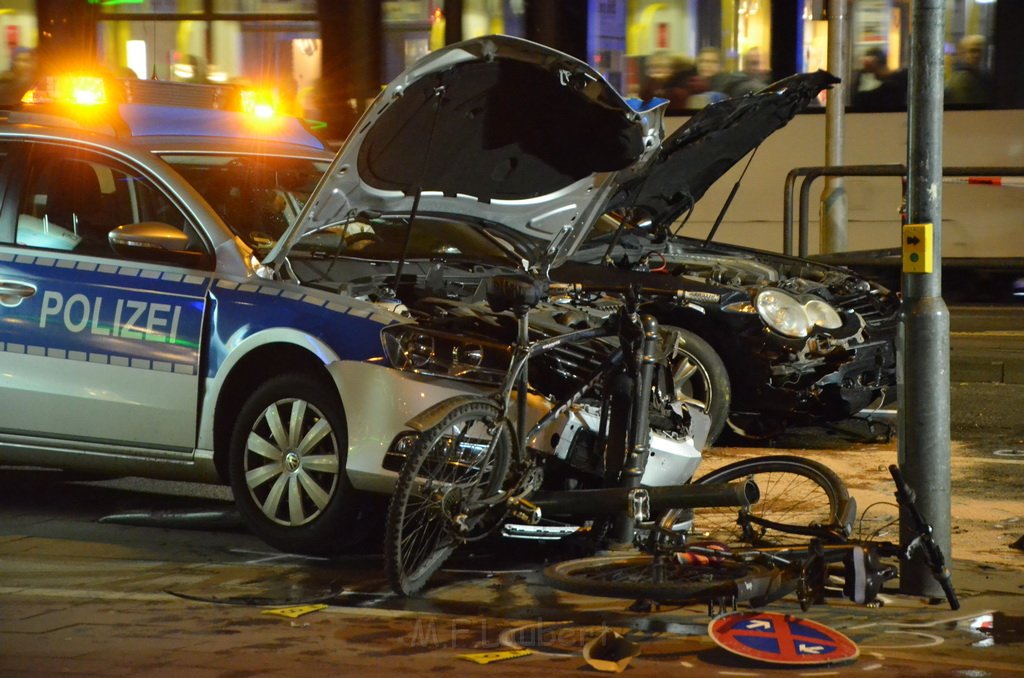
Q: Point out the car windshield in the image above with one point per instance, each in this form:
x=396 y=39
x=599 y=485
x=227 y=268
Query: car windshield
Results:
x=258 y=196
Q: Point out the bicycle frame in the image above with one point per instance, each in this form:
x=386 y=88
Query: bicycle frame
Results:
x=471 y=487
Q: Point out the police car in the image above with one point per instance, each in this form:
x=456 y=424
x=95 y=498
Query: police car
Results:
x=139 y=334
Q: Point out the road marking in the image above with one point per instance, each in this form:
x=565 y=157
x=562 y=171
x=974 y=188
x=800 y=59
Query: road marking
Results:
x=931 y=638
x=85 y=594
x=135 y=596
x=989 y=333
x=921 y=625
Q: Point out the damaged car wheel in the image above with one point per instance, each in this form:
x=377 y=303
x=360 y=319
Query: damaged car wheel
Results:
x=288 y=453
x=700 y=379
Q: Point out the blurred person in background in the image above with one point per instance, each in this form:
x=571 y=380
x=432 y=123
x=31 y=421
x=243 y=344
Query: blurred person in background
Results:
x=669 y=77
x=15 y=82
x=878 y=88
x=751 y=78
x=712 y=80
x=968 y=82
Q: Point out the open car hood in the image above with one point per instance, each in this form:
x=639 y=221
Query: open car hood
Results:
x=513 y=132
x=717 y=137
x=496 y=128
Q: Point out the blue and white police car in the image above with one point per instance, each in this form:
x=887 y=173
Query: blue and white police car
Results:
x=197 y=294
x=140 y=334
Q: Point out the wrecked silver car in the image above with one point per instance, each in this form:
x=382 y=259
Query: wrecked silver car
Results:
x=501 y=154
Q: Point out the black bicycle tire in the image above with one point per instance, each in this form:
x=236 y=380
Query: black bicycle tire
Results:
x=395 y=560
x=832 y=521
x=714 y=582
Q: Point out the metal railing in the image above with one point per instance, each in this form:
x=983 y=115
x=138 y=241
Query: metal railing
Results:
x=893 y=170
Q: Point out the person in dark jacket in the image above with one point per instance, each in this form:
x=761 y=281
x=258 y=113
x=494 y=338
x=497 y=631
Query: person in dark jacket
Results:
x=878 y=88
x=968 y=83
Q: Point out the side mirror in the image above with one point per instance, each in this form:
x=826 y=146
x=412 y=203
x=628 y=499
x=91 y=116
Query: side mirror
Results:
x=154 y=241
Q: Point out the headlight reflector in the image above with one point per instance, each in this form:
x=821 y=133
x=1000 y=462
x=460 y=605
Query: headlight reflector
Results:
x=417 y=348
x=821 y=314
x=445 y=354
x=783 y=313
x=786 y=315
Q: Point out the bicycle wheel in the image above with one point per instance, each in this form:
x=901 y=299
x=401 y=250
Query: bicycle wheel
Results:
x=661 y=579
x=435 y=506
x=799 y=498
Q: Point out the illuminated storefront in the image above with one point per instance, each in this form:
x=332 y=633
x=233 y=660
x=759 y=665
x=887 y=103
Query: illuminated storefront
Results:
x=303 y=48
x=18 y=26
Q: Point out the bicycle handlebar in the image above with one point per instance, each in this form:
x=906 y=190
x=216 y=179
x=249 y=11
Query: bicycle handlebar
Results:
x=906 y=498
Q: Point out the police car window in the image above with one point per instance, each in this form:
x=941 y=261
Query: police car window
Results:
x=73 y=200
x=257 y=196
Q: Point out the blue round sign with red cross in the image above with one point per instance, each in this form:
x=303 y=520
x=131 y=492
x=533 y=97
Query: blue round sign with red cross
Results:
x=781 y=639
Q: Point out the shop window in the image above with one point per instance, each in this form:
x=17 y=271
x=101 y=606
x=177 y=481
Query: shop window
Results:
x=691 y=53
x=880 y=53
x=265 y=6
x=166 y=50
x=281 y=58
x=151 y=6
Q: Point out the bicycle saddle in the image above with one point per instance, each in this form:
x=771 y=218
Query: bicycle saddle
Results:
x=517 y=293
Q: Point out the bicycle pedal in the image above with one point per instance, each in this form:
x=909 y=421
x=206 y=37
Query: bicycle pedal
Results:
x=524 y=511
x=639 y=506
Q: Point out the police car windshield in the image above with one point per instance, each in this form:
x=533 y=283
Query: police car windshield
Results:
x=258 y=196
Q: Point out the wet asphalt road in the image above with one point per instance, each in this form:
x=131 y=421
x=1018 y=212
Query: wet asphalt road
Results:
x=129 y=577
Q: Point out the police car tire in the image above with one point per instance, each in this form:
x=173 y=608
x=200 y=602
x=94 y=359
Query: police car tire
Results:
x=329 y=522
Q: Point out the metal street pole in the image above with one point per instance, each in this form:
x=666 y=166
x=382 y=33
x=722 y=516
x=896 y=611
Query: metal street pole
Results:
x=833 y=197
x=924 y=338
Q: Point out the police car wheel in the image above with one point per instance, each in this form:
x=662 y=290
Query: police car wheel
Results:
x=287 y=462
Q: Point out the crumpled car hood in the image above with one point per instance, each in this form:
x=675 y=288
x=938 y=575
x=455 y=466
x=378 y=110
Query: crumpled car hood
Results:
x=697 y=154
x=496 y=128
x=513 y=132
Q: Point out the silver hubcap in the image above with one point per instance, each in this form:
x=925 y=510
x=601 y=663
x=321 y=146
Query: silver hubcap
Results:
x=292 y=462
x=691 y=381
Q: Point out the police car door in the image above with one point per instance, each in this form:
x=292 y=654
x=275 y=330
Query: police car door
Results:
x=99 y=349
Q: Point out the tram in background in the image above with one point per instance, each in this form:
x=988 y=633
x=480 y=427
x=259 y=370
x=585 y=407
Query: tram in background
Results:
x=983 y=216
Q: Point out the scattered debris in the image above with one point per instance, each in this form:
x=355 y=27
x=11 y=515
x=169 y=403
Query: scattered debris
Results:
x=488 y=657
x=210 y=520
x=610 y=652
x=295 y=612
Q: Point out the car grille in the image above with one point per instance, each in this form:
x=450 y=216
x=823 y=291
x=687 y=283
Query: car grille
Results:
x=877 y=311
x=563 y=370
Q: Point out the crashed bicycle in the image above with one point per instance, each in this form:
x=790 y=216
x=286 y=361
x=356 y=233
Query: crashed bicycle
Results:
x=490 y=463
x=671 y=570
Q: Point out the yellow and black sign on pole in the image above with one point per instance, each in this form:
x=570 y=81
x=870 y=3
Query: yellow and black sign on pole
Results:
x=917 y=248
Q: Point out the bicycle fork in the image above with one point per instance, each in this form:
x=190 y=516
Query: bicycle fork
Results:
x=638 y=445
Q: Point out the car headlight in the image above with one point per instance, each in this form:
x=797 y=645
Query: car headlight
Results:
x=821 y=314
x=787 y=316
x=443 y=354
